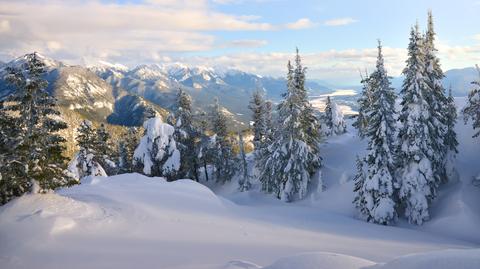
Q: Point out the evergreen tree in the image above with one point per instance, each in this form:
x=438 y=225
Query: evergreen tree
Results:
x=364 y=104
x=205 y=150
x=415 y=167
x=439 y=109
x=86 y=161
x=244 y=182
x=157 y=153
x=40 y=147
x=360 y=178
x=378 y=186
x=105 y=152
x=13 y=181
x=126 y=147
x=472 y=109
x=223 y=157
x=450 y=140
x=293 y=157
x=258 y=107
x=334 y=123
x=186 y=136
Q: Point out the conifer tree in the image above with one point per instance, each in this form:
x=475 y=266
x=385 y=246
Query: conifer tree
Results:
x=40 y=147
x=258 y=107
x=472 y=109
x=293 y=157
x=157 y=153
x=87 y=160
x=359 y=180
x=450 y=140
x=364 y=104
x=105 y=153
x=126 y=147
x=13 y=181
x=439 y=108
x=334 y=123
x=378 y=186
x=244 y=182
x=205 y=150
x=415 y=167
x=223 y=157
x=186 y=136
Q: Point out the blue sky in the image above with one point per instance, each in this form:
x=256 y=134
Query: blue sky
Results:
x=336 y=38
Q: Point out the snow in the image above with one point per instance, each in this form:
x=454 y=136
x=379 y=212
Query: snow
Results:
x=134 y=221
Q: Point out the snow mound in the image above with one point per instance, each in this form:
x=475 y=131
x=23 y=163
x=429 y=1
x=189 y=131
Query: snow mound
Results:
x=444 y=259
x=320 y=260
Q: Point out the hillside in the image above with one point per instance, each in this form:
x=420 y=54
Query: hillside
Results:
x=130 y=221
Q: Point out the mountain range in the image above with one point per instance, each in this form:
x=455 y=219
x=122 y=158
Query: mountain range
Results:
x=119 y=95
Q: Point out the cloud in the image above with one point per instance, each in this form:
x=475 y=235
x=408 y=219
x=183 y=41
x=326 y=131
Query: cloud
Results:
x=245 y=43
x=4 y=26
x=303 y=23
x=92 y=28
x=339 y=22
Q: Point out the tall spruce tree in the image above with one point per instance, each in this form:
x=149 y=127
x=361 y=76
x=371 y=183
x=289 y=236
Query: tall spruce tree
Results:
x=415 y=167
x=364 y=104
x=439 y=109
x=450 y=140
x=472 y=109
x=13 y=181
x=186 y=136
x=258 y=107
x=40 y=146
x=294 y=155
x=378 y=186
x=223 y=159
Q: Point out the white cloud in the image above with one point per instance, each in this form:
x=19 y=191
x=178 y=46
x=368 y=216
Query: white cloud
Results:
x=339 y=22
x=246 y=43
x=4 y=26
x=302 y=23
x=93 y=28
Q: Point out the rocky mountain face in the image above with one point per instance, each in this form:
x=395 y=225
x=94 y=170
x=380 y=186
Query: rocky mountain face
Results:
x=80 y=90
x=233 y=88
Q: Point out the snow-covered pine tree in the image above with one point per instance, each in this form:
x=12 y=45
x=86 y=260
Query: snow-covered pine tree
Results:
x=105 y=152
x=359 y=180
x=262 y=128
x=86 y=160
x=472 y=109
x=378 y=186
x=327 y=119
x=40 y=146
x=244 y=182
x=157 y=152
x=126 y=147
x=439 y=109
x=206 y=147
x=450 y=140
x=186 y=136
x=361 y=119
x=293 y=155
x=415 y=168
x=13 y=181
x=258 y=107
x=333 y=121
x=223 y=158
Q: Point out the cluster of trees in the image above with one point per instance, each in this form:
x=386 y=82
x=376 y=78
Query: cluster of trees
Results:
x=31 y=149
x=405 y=165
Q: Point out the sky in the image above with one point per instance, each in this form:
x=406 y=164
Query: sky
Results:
x=337 y=39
